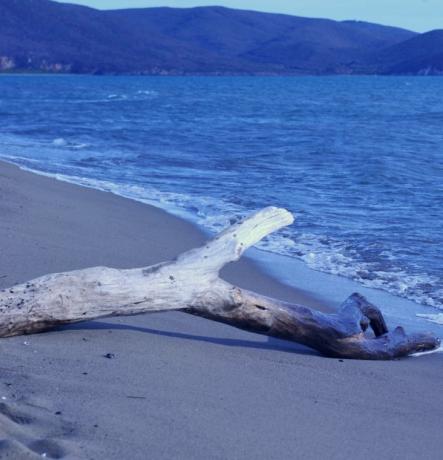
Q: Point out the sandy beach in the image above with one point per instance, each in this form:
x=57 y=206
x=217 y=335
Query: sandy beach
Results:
x=174 y=386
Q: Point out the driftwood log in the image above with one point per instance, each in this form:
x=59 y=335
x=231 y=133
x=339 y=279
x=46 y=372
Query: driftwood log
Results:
x=192 y=283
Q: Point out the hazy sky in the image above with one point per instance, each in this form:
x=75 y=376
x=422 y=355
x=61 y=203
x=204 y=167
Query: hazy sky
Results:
x=419 y=15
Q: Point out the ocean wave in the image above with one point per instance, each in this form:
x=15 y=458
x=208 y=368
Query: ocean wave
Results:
x=434 y=318
x=319 y=253
x=327 y=255
x=140 y=94
x=119 y=97
x=147 y=92
x=61 y=142
x=80 y=146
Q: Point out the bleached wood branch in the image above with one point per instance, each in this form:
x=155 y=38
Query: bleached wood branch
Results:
x=191 y=282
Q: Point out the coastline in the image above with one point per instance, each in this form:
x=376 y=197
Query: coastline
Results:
x=160 y=234
x=180 y=386
x=322 y=290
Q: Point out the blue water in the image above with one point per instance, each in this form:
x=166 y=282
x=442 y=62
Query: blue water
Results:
x=358 y=160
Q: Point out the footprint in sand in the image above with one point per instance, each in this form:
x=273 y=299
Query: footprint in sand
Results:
x=28 y=431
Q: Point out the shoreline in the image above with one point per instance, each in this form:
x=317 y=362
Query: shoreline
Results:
x=322 y=290
x=180 y=386
x=193 y=237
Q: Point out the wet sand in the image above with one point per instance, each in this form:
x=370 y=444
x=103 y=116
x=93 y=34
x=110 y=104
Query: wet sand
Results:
x=178 y=386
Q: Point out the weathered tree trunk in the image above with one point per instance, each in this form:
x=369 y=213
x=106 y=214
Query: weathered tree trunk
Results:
x=191 y=283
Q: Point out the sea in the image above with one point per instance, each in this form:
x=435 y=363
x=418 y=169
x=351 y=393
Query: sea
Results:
x=358 y=161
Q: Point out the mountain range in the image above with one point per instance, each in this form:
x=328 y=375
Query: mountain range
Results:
x=46 y=36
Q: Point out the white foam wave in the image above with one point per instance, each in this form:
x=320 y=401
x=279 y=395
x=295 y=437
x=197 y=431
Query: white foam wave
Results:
x=80 y=146
x=59 y=142
x=319 y=253
x=147 y=92
x=133 y=96
x=433 y=318
x=114 y=97
x=117 y=96
x=334 y=257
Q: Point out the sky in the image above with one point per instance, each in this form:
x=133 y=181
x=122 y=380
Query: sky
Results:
x=418 y=15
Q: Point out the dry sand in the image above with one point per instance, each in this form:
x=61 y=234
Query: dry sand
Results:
x=177 y=386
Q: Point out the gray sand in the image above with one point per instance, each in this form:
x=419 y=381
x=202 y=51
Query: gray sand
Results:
x=177 y=386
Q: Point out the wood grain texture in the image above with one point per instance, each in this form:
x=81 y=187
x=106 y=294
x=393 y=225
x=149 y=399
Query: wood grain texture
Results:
x=192 y=283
